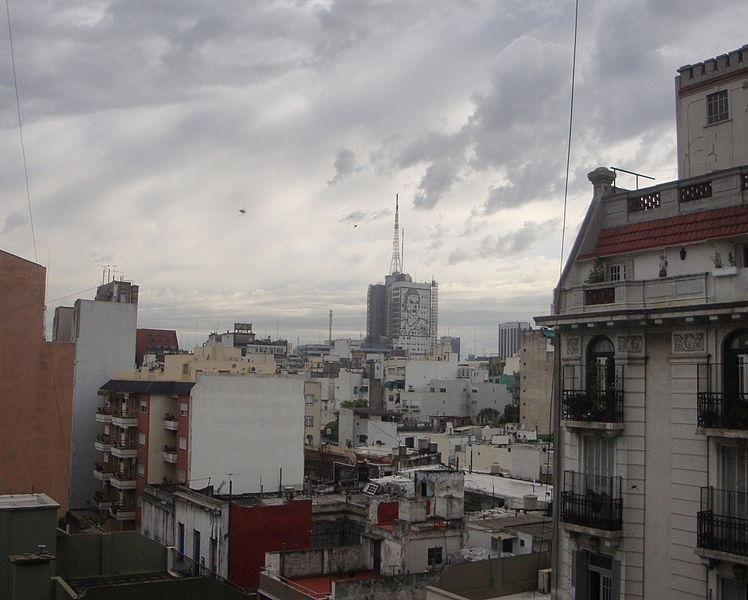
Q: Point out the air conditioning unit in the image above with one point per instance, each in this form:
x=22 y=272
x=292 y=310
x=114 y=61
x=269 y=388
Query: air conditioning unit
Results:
x=544 y=581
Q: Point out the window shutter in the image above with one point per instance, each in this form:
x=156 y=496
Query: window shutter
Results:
x=615 y=592
x=580 y=578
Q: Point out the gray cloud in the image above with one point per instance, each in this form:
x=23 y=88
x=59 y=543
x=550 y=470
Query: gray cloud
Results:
x=357 y=217
x=508 y=244
x=12 y=221
x=345 y=165
x=437 y=181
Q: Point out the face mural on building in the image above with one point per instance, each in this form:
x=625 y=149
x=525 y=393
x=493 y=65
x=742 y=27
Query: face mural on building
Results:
x=414 y=312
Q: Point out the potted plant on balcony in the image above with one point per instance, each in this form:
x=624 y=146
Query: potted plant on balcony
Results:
x=597 y=272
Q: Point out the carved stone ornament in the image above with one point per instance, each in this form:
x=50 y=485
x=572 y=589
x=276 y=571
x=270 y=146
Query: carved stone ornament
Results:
x=688 y=341
x=572 y=346
x=633 y=344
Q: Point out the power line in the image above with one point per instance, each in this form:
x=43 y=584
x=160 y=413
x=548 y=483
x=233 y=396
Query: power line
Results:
x=20 y=128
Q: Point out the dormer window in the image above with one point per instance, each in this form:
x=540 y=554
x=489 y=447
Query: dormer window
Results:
x=716 y=107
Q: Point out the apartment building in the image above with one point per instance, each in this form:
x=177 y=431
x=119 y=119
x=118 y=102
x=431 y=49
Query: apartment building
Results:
x=651 y=315
x=36 y=388
x=239 y=433
x=103 y=331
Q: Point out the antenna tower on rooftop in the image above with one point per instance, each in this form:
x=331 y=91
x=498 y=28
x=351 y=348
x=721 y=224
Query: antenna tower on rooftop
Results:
x=395 y=265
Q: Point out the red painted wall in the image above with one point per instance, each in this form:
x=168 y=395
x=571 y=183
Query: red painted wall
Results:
x=255 y=530
x=387 y=511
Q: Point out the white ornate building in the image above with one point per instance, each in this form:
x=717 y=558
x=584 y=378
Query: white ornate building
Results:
x=651 y=314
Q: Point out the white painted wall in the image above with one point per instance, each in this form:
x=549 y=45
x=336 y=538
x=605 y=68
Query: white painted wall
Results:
x=418 y=373
x=104 y=336
x=248 y=425
x=209 y=517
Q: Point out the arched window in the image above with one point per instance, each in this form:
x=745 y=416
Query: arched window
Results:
x=735 y=366
x=601 y=373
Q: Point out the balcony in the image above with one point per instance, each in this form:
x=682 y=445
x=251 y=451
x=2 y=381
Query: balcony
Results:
x=123 y=480
x=722 y=522
x=104 y=414
x=171 y=423
x=102 y=500
x=721 y=410
x=170 y=454
x=125 y=448
x=103 y=442
x=588 y=401
x=123 y=512
x=124 y=418
x=102 y=471
x=592 y=501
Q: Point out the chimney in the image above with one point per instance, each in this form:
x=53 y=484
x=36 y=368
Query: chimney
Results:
x=602 y=180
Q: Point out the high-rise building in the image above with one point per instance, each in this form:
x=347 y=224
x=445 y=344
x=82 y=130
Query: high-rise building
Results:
x=510 y=337
x=651 y=318
x=401 y=313
x=103 y=331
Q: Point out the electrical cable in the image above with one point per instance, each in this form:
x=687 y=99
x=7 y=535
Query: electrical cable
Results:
x=20 y=128
x=556 y=362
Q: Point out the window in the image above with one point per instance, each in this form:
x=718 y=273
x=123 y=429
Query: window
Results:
x=143 y=406
x=309 y=421
x=141 y=439
x=598 y=462
x=618 y=272
x=141 y=469
x=443 y=390
x=180 y=538
x=362 y=439
x=730 y=589
x=183 y=409
x=434 y=556
x=182 y=443
x=716 y=107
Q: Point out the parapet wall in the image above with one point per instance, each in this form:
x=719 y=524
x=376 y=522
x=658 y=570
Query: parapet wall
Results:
x=724 y=66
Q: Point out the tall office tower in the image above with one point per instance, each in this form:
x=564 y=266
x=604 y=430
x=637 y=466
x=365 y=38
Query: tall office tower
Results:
x=402 y=313
x=510 y=337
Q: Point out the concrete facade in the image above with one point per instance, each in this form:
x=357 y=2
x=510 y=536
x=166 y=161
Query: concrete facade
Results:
x=103 y=332
x=536 y=381
x=36 y=387
x=710 y=112
x=652 y=329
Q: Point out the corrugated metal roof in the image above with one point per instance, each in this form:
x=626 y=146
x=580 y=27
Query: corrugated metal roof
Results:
x=672 y=231
x=136 y=386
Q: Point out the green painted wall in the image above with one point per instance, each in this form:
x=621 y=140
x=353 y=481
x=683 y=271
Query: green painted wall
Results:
x=91 y=555
x=21 y=532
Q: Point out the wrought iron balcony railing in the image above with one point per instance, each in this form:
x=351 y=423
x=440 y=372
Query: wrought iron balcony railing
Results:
x=592 y=501
x=721 y=401
x=723 y=521
x=592 y=393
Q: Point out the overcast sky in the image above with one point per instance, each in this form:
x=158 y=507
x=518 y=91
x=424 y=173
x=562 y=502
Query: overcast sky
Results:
x=149 y=127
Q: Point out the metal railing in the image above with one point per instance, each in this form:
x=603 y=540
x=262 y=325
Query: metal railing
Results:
x=723 y=521
x=592 y=501
x=720 y=406
x=104 y=410
x=103 y=467
x=125 y=444
x=587 y=396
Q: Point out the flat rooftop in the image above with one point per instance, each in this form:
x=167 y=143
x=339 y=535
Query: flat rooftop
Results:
x=26 y=502
x=321 y=586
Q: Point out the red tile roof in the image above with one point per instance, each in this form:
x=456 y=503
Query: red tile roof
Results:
x=672 y=231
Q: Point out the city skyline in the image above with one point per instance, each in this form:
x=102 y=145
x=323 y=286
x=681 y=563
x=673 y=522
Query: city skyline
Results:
x=240 y=163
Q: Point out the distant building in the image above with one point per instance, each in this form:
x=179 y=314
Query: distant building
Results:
x=510 y=337
x=248 y=343
x=452 y=342
x=536 y=380
x=103 y=331
x=154 y=341
x=36 y=389
x=400 y=313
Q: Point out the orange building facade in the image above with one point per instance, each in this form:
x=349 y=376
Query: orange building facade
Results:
x=36 y=388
